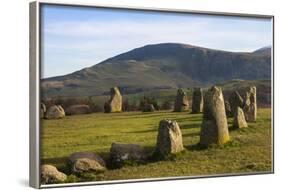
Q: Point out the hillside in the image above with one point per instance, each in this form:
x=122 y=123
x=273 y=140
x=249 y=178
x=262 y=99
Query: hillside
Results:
x=161 y=66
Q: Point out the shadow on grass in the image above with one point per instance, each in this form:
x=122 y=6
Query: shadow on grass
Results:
x=200 y=147
x=232 y=128
x=199 y=119
x=196 y=147
x=189 y=126
x=143 y=131
x=166 y=115
x=54 y=161
x=186 y=126
x=191 y=134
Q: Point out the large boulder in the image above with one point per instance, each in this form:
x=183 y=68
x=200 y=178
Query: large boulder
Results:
x=181 y=102
x=55 y=112
x=50 y=174
x=115 y=102
x=125 y=153
x=86 y=162
x=214 y=129
x=148 y=108
x=239 y=120
x=78 y=109
x=169 y=139
x=197 y=100
x=42 y=110
x=235 y=101
x=250 y=104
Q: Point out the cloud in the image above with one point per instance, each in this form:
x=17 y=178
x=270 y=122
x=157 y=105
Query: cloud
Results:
x=99 y=32
x=93 y=41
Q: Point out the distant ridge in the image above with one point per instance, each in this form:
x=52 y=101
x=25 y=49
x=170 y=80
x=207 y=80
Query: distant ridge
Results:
x=162 y=66
x=264 y=51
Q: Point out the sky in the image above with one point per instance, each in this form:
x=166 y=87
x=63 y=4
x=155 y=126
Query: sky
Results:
x=73 y=38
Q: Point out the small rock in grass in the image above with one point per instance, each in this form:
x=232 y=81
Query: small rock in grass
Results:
x=125 y=153
x=86 y=162
x=50 y=174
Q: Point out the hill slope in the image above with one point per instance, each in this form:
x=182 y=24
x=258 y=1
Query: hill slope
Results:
x=161 y=66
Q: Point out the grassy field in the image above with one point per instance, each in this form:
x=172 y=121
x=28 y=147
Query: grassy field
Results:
x=248 y=151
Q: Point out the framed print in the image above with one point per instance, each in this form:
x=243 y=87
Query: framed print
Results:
x=127 y=94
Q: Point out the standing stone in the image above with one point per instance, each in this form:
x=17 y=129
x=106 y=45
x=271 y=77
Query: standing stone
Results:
x=235 y=101
x=214 y=127
x=197 y=100
x=169 y=139
x=42 y=110
x=181 y=102
x=239 y=119
x=250 y=105
x=227 y=109
x=115 y=102
x=55 y=112
x=148 y=108
x=50 y=174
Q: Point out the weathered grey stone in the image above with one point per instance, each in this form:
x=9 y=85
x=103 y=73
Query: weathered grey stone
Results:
x=235 y=101
x=122 y=153
x=239 y=120
x=181 y=102
x=42 y=110
x=148 y=108
x=227 y=109
x=197 y=100
x=214 y=129
x=50 y=174
x=169 y=139
x=78 y=109
x=89 y=155
x=55 y=112
x=115 y=102
x=87 y=165
x=250 y=105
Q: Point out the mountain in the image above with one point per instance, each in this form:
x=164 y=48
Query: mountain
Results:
x=263 y=51
x=161 y=66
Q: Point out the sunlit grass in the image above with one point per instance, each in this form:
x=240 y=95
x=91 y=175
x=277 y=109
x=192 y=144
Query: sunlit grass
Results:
x=248 y=151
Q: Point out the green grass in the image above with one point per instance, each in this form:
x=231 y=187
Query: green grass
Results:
x=248 y=151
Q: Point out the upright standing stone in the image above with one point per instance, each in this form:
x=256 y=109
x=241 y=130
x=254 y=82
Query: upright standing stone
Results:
x=235 y=101
x=148 y=108
x=214 y=127
x=250 y=105
x=42 y=110
x=169 y=139
x=115 y=102
x=197 y=100
x=181 y=102
x=239 y=119
x=227 y=109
